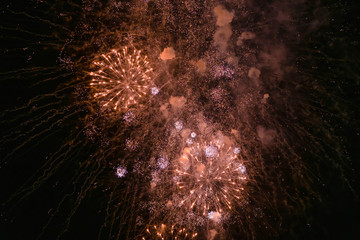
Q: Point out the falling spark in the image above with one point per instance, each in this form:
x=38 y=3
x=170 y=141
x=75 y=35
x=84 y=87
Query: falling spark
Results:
x=165 y=232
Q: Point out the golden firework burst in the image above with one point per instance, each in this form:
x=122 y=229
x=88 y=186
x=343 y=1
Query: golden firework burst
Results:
x=121 y=78
x=210 y=176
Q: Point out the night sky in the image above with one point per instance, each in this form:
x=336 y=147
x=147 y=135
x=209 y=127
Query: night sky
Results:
x=164 y=119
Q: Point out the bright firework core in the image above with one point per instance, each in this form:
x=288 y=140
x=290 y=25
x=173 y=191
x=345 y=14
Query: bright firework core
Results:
x=122 y=78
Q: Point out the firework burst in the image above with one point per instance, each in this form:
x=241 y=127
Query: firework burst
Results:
x=122 y=78
x=209 y=177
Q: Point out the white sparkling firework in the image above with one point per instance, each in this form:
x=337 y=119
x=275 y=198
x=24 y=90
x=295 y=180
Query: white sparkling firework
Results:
x=178 y=125
x=189 y=141
x=154 y=90
x=122 y=79
x=162 y=163
x=211 y=151
x=209 y=178
x=241 y=168
x=121 y=171
x=236 y=150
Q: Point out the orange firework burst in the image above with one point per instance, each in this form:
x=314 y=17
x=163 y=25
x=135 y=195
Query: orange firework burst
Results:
x=209 y=176
x=122 y=78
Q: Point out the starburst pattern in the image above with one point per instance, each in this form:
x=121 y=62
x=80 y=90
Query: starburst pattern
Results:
x=122 y=78
x=209 y=177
